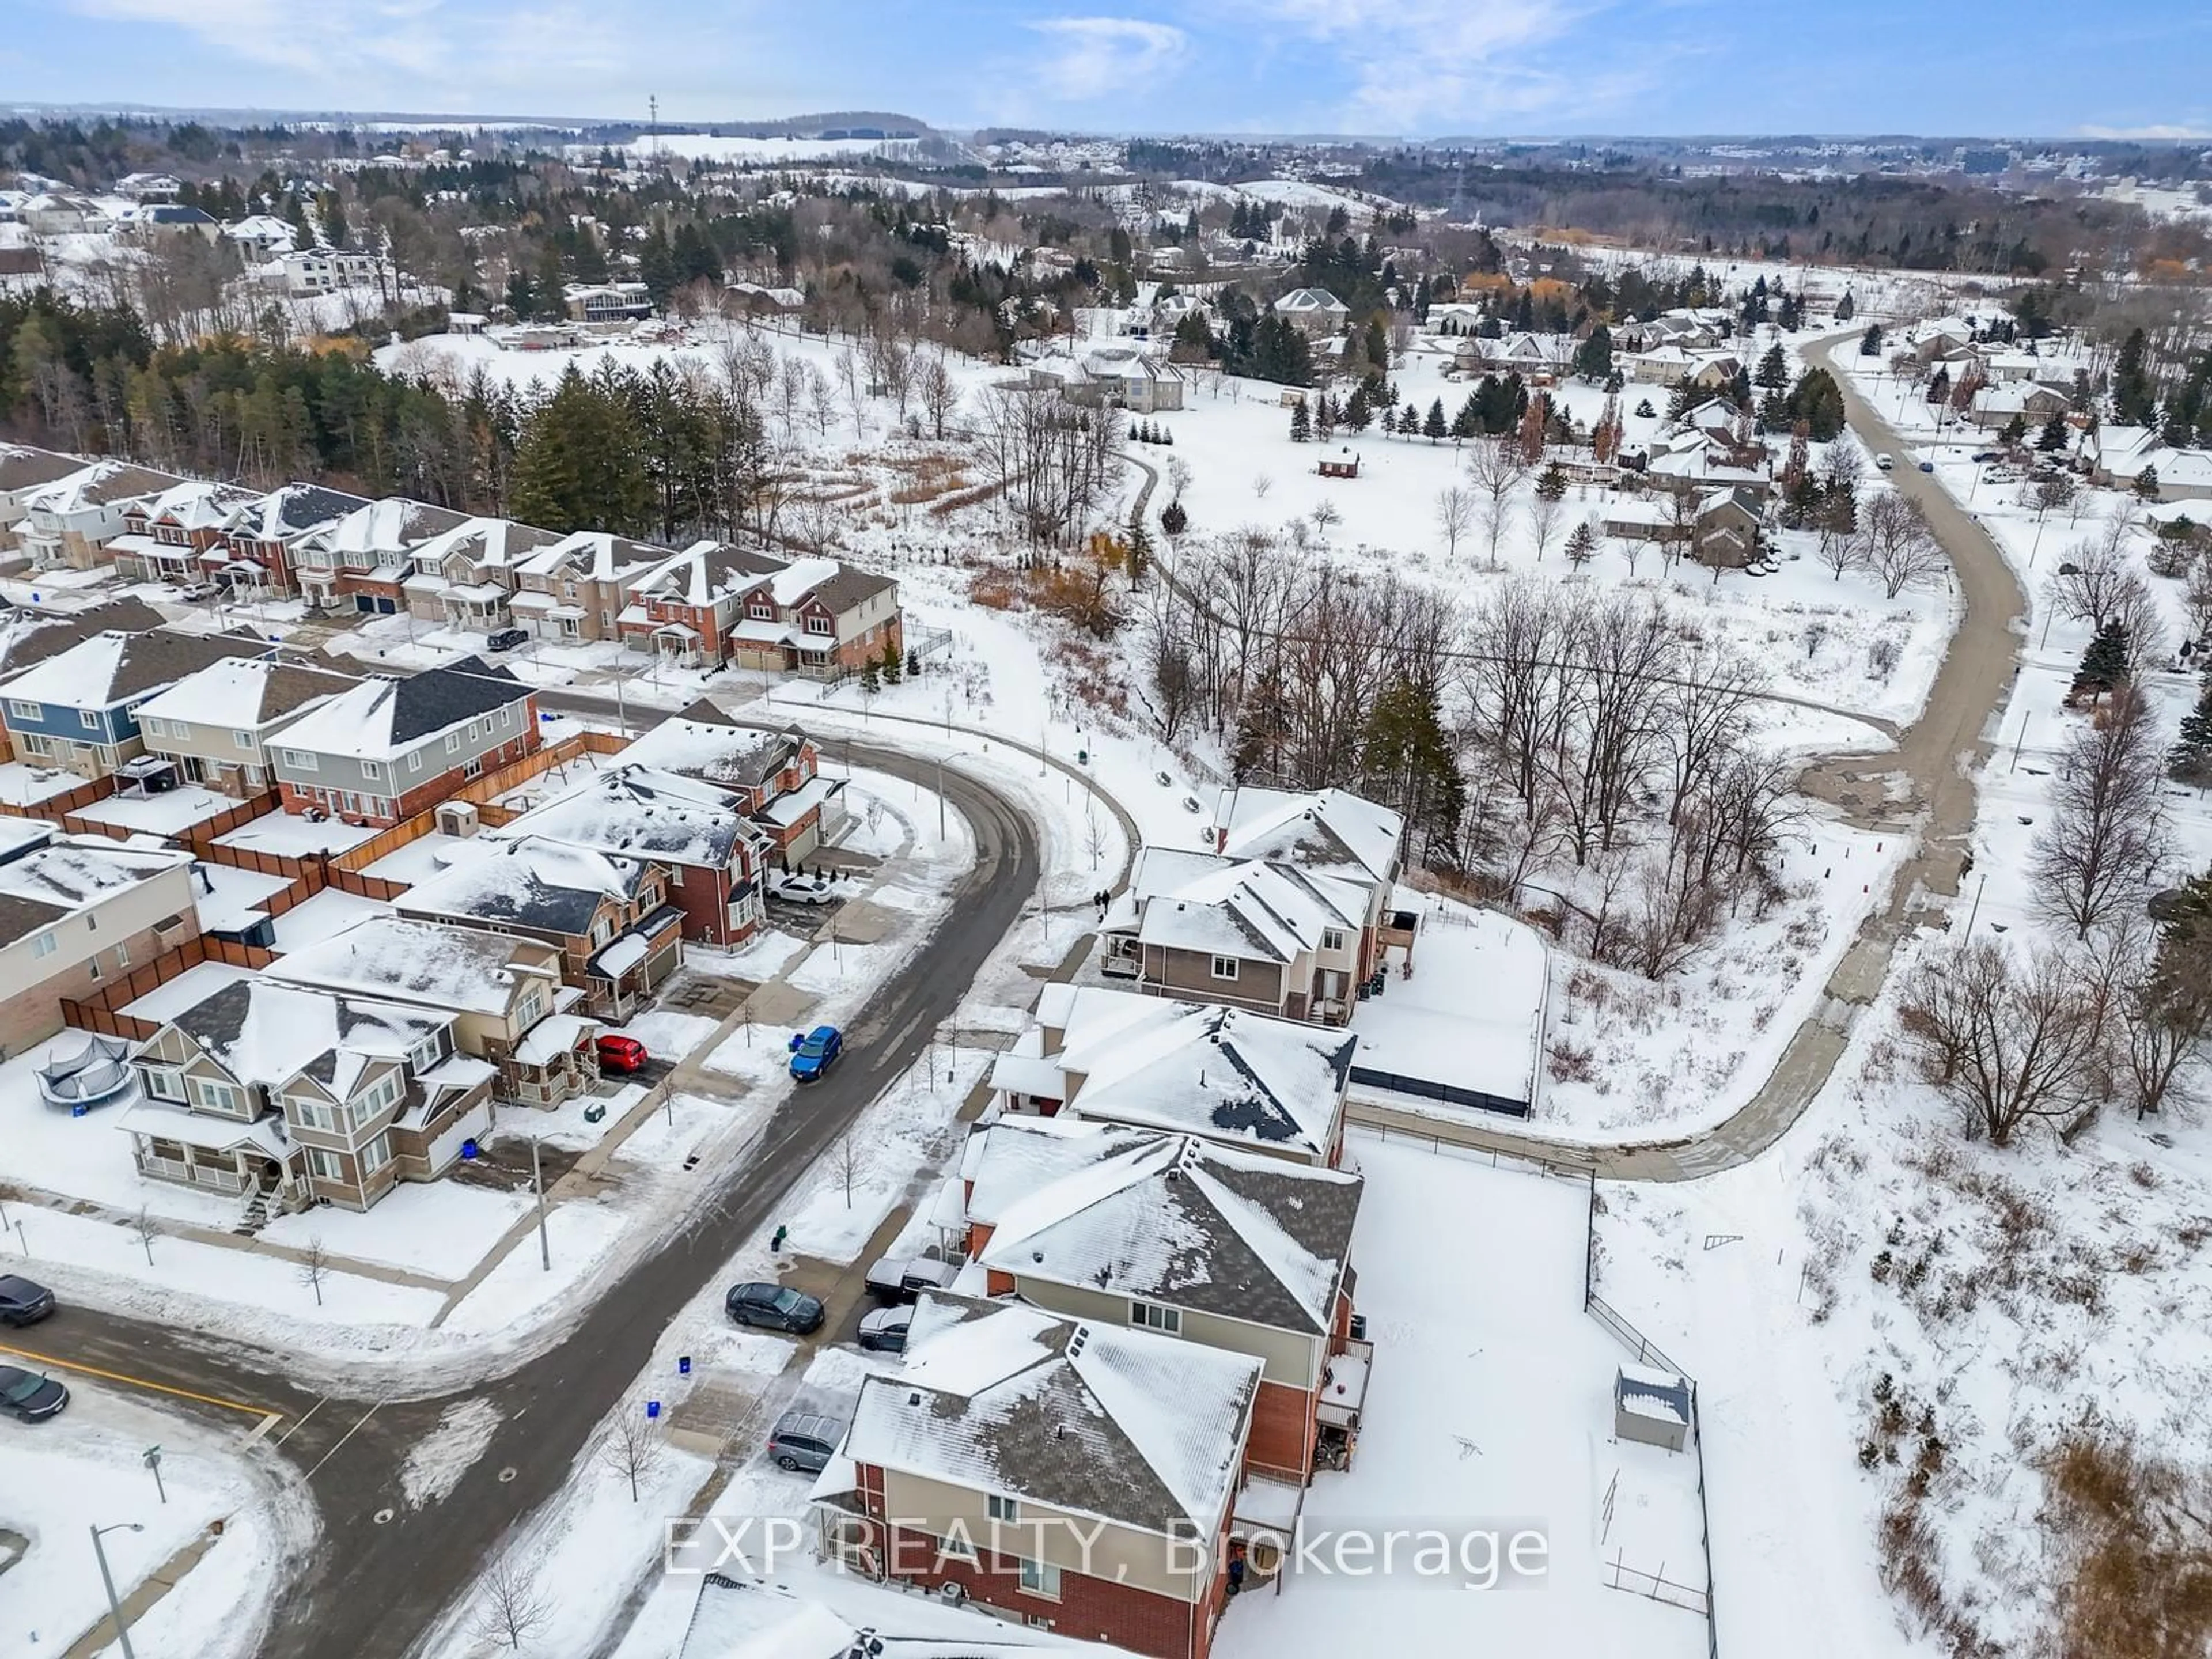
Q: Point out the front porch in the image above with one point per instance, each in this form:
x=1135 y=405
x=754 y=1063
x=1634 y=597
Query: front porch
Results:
x=249 y=1162
x=477 y=607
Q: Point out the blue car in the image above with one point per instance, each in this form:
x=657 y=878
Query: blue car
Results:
x=810 y=1054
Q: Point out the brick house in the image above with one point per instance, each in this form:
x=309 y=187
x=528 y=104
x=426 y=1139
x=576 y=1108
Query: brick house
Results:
x=1245 y=1080
x=576 y=588
x=216 y=724
x=362 y=562
x=78 y=708
x=465 y=578
x=1081 y=1477
x=260 y=536
x=699 y=831
x=1172 y=1234
x=1286 y=916
x=167 y=538
x=715 y=603
x=388 y=749
x=285 y=1097
x=619 y=934
x=501 y=990
x=77 y=911
x=777 y=775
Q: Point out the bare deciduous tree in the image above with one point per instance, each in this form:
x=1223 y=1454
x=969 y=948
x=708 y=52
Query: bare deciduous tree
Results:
x=1496 y=467
x=630 y=1447
x=146 y=1229
x=1896 y=542
x=1455 y=514
x=315 y=1266
x=2008 y=1042
x=511 y=1610
x=2104 y=833
x=1544 y=514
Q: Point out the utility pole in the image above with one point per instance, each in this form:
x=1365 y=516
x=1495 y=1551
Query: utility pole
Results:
x=107 y=1580
x=940 y=797
x=537 y=1181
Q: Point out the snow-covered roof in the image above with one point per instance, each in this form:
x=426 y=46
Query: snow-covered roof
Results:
x=242 y=693
x=69 y=874
x=1310 y=301
x=736 y=756
x=380 y=717
x=1332 y=831
x=489 y=544
x=290 y=510
x=640 y=812
x=395 y=523
x=595 y=556
x=464 y=969
x=1176 y=1220
x=1007 y=1160
x=1202 y=901
x=1092 y=1420
x=528 y=882
x=103 y=483
x=265 y=1032
x=113 y=666
x=1230 y=1075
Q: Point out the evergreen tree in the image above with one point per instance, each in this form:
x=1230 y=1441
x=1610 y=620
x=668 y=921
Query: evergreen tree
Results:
x=1847 y=308
x=1467 y=423
x=1552 y=483
x=1432 y=427
x=1378 y=345
x=872 y=678
x=581 y=465
x=1939 y=385
x=1870 y=341
x=2052 y=438
x=892 y=665
x=1582 y=544
x=1407 y=761
x=1773 y=370
x=1359 y=409
x=2015 y=434
x=1139 y=559
x=1818 y=401
x=2147 y=485
x=2105 y=664
x=1593 y=356
x=1301 y=422
x=2133 y=394
x=1174 y=519
x=2191 y=761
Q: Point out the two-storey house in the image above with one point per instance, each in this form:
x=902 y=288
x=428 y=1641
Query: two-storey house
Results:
x=385 y=750
x=285 y=1097
x=502 y=991
x=24 y=469
x=685 y=610
x=31 y=634
x=777 y=775
x=215 y=724
x=1173 y=1234
x=76 y=912
x=69 y=522
x=576 y=588
x=699 y=831
x=261 y=535
x=1256 y=1084
x=1081 y=1477
x=613 y=919
x=167 y=538
x=465 y=578
x=362 y=562
x=822 y=624
x=77 y=709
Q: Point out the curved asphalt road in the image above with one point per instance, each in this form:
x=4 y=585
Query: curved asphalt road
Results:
x=1924 y=787
x=373 y=1589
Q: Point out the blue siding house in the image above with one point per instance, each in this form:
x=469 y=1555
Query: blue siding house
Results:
x=77 y=710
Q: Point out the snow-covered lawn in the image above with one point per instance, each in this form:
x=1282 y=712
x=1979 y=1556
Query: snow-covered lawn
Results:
x=23 y=784
x=331 y=911
x=294 y=835
x=85 y=1469
x=169 y=813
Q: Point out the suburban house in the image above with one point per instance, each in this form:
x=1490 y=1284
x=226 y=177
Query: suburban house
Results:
x=366 y=557
x=607 y=303
x=1538 y=359
x=715 y=603
x=70 y=521
x=1256 y=1084
x=1314 y=310
x=1177 y=1235
x=58 y=213
x=1694 y=460
x=153 y=221
x=1124 y=377
x=2121 y=455
x=1725 y=532
x=1998 y=406
x=77 y=709
x=23 y=469
x=777 y=775
x=610 y=917
x=165 y=538
x=76 y=910
x=385 y=750
x=261 y=236
x=465 y=578
x=502 y=992
x=286 y=1096
x=575 y=589
x=1010 y=1437
x=215 y=723
x=1287 y=916
x=261 y=534
x=31 y=634
x=319 y=271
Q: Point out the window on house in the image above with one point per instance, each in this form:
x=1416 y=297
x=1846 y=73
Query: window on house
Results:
x=26 y=711
x=1040 y=1578
x=452 y=742
x=91 y=923
x=370 y=768
x=1332 y=938
x=162 y=1083
x=424 y=1054
x=761 y=610
x=1224 y=967
x=44 y=944
x=241 y=739
x=34 y=745
x=531 y=1008
x=376 y=1155
x=325 y=1166
x=90 y=717
x=154 y=728
x=414 y=760
x=602 y=931
x=1002 y=1508
x=123 y=955
x=301 y=758
x=820 y=625
x=310 y=1114
x=1151 y=1317
x=218 y=1096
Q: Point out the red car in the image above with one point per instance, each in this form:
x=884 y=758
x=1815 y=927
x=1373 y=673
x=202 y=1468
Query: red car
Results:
x=622 y=1054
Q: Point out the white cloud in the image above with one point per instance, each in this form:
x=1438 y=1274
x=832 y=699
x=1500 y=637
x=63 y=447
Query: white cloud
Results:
x=1095 y=57
x=2183 y=130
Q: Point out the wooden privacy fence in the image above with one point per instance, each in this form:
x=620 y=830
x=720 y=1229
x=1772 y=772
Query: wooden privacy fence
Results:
x=100 y=1011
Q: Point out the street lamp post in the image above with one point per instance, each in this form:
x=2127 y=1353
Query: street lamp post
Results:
x=107 y=1579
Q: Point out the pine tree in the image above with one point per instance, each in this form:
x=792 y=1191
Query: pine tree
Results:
x=1551 y=483
x=1139 y=555
x=2015 y=434
x=1594 y=357
x=1582 y=544
x=1301 y=422
x=1774 y=369
x=872 y=678
x=892 y=666
x=2105 y=664
x=1467 y=423
x=1433 y=427
x=2191 y=761
x=2147 y=483
x=1407 y=761
x=1847 y=308
x=1358 y=411
x=2052 y=438
x=1870 y=341
x=580 y=464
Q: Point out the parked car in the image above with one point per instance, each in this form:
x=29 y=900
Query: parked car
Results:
x=1927 y=466
x=812 y=1053
x=1981 y=455
x=22 y=1303
x=803 y=890
x=1883 y=464
x=902 y=1279
x=622 y=1054
x=198 y=591
x=883 y=1330
x=805 y=1440
x=28 y=1396
x=773 y=1307
x=506 y=639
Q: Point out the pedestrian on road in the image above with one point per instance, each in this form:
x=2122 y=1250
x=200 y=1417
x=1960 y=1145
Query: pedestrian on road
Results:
x=775 y=1244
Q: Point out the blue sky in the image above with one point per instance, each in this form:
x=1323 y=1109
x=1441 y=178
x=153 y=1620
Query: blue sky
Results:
x=1420 y=67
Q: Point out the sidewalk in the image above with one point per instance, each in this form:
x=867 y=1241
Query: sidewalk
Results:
x=143 y=1594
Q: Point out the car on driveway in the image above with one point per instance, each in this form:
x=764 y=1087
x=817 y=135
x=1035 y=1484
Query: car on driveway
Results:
x=883 y=1330
x=622 y=1054
x=28 y=1396
x=805 y=1440
x=1883 y=464
x=506 y=639
x=773 y=1307
x=803 y=890
x=22 y=1303
x=902 y=1279
x=812 y=1053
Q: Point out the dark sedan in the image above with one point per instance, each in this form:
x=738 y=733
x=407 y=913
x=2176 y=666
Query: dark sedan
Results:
x=28 y=1395
x=22 y=1303
x=773 y=1307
